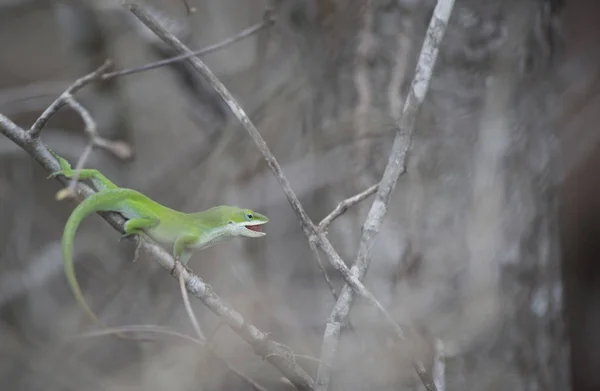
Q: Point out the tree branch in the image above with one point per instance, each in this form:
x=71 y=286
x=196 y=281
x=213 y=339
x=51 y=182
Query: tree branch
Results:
x=346 y=204
x=165 y=331
x=267 y=21
x=270 y=350
x=39 y=124
x=339 y=210
x=308 y=227
x=39 y=90
x=188 y=306
x=312 y=242
x=439 y=366
x=118 y=148
x=395 y=167
x=306 y=223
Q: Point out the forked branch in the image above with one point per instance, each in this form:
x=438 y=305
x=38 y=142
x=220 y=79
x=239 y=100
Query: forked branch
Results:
x=67 y=98
x=309 y=228
x=346 y=204
x=396 y=166
x=64 y=98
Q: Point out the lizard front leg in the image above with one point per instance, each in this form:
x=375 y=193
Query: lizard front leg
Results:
x=181 y=251
x=100 y=182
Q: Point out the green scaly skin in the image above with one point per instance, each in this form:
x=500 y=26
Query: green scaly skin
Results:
x=186 y=232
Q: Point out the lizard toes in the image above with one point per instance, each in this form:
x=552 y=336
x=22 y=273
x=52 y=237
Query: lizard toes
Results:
x=54 y=174
x=126 y=236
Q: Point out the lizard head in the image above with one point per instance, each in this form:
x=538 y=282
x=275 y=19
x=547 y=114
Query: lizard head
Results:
x=245 y=222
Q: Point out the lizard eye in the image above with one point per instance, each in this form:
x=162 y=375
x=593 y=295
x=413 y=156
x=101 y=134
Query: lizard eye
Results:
x=249 y=216
x=231 y=222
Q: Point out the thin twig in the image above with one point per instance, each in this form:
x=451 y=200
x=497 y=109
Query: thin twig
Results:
x=39 y=124
x=395 y=167
x=120 y=149
x=258 y=340
x=312 y=242
x=267 y=21
x=117 y=148
x=310 y=358
x=188 y=306
x=439 y=366
x=166 y=331
x=188 y=8
x=33 y=91
x=339 y=210
x=214 y=332
x=346 y=204
x=90 y=130
x=90 y=127
x=138 y=329
x=308 y=227
x=30 y=97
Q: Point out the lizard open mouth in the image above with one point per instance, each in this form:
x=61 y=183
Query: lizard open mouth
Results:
x=256 y=227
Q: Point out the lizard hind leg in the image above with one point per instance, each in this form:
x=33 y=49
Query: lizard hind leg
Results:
x=136 y=226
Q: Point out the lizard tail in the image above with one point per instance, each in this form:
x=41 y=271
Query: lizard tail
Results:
x=108 y=200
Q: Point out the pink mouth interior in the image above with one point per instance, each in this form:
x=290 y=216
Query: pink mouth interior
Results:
x=254 y=228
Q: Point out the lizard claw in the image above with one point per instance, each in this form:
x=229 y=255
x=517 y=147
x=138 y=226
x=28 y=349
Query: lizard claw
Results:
x=126 y=236
x=178 y=264
x=55 y=174
x=136 y=254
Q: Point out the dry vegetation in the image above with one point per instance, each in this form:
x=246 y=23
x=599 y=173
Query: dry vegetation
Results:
x=407 y=154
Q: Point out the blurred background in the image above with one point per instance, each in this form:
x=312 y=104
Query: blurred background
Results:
x=489 y=244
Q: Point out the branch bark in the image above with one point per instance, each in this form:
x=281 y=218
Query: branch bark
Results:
x=396 y=166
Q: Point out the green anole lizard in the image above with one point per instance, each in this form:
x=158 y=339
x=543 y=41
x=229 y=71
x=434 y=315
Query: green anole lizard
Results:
x=186 y=232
